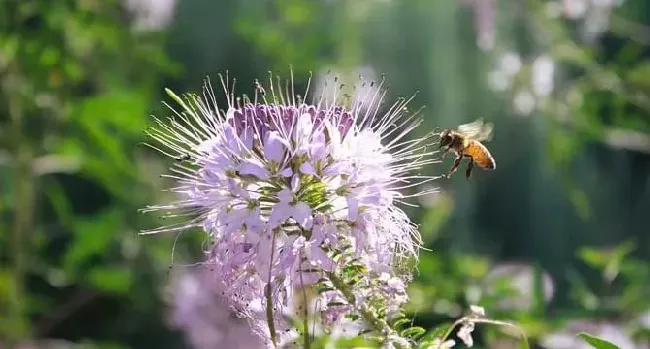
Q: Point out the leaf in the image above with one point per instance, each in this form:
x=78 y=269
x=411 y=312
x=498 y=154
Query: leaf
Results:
x=413 y=332
x=112 y=279
x=580 y=202
x=438 y=332
x=125 y=110
x=597 y=342
x=354 y=343
x=401 y=322
x=523 y=344
x=92 y=237
x=607 y=260
x=638 y=75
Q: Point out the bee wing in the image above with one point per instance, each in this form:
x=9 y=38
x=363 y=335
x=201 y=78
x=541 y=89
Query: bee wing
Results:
x=478 y=130
x=486 y=133
x=471 y=129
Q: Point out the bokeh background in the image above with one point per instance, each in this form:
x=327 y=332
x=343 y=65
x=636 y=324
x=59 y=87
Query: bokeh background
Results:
x=556 y=238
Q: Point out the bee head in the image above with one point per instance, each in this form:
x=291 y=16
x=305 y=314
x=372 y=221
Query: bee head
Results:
x=445 y=138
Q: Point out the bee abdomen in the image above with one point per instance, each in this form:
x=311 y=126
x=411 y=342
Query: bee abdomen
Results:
x=491 y=164
x=480 y=155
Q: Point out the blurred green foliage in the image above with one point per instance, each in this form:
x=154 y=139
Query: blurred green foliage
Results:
x=568 y=200
x=76 y=88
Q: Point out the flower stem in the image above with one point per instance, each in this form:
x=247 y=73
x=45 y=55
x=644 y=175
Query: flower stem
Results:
x=305 y=321
x=380 y=325
x=506 y=324
x=269 y=314
x=269 y=297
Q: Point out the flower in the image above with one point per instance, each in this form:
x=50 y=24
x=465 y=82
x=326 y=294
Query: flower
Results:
x=197 y=308
x=465 y=333
x=467 y=327
x=151 y=15
x=283 y=188
x=542 y=76
x=519 y=278
x=485 y=12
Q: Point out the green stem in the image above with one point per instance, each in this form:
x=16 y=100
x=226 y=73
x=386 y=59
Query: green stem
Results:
x=23 y=198
x=269 y=297
x=305 y=321
x=380 y=325
x=451 y=328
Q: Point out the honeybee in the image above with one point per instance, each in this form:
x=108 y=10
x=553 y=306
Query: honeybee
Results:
x=465 y=141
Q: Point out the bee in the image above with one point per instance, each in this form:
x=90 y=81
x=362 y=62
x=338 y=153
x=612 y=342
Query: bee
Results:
x=465 y=141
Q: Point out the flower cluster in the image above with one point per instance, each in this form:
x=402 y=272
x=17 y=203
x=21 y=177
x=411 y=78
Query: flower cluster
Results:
x=285 y=189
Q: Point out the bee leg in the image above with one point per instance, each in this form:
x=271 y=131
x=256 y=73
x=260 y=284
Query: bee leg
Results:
x=448 y=148
x=470 y=166
x=446 y=151
x=456 y=164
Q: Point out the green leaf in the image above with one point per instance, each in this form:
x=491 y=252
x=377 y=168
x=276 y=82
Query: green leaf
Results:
x=596 y=342
x=401 y=322
x=92 y=237
x=413 y=332
x=438 y=332
x=638 y=75
x=112 y=279
x=125 y=110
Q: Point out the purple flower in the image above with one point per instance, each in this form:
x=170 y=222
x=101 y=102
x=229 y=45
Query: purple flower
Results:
x=199 y=309
x=280 y=185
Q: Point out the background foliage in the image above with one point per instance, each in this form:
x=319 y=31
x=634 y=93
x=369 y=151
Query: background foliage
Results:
x=555 y=239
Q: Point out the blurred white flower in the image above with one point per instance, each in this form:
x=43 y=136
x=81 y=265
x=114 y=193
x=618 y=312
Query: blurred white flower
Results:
x=484 y=21
x=473 y=293
x=595 y=15
x=498 y=80
x=520 y=276
x=596 y=22
x=644 y=319
x=524 y=103
x=510 y=63
x=151 y=15
x=575 y=9
x=542 y=76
